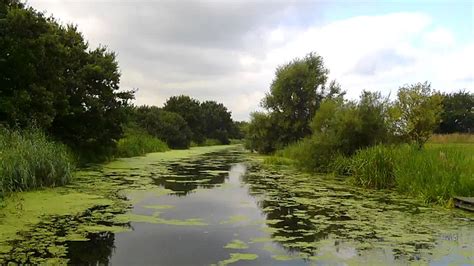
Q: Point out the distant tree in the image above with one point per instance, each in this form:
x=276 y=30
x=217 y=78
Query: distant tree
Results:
x=296 y=93
x=217 y=121
x=239 y=129
x=167 y=126
x=262 y=135
x=190 y=110
x=417 y=112
x=458 y=113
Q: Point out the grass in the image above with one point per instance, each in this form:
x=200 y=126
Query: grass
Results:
x=137 y=143
x=28 y=159
x=434 y=174
x=443 y=169
x=452 y=138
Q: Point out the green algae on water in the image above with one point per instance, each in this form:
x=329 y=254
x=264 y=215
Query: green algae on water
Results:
x=237 y=244
x=235 y=257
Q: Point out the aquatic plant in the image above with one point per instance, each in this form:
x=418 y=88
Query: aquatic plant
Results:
x=434 y=174
x=28 y=159
x=373 y=167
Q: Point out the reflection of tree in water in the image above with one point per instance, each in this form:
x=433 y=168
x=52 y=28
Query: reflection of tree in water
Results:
x=202 y=172
x=299 y=221
x=97 y=250
x=292 y=228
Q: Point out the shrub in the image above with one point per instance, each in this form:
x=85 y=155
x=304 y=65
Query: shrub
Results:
x=136 y=143
x=310 y=154
x=29 y=160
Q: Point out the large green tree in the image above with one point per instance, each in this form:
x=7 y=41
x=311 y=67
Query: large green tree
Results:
x=458 y=113
x=417 y=112
x=190 y=110
x=167 y=126
x=217 y=121
x=50 y=78
x=296 y=93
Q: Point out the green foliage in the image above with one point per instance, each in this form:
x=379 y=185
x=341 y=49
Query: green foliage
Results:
x=310 y=154
x=295 y=95
x=167 y=126
x=458 y=113
x=189 y=109
x=137 y=142
x=347 y=127
x=373 y=167
x=217 y=121
x=52 y=80
x=434 y=174
x=29 y=160
x=262 y=135
x=417 y=112
x=239 y=129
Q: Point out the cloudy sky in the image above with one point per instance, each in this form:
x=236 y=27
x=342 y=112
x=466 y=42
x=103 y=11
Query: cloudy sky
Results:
x=228 y=50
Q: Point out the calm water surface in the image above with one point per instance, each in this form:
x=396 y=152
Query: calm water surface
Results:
x=225 y=208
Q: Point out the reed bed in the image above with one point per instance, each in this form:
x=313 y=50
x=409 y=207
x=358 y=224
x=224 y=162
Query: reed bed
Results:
x=28 y=159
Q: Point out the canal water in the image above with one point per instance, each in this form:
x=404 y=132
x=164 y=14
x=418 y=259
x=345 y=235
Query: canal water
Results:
x=227 y=208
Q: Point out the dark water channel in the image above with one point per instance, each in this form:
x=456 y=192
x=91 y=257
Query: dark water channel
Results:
x=224 y=208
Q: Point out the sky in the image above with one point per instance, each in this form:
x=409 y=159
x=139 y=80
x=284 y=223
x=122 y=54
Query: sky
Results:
x=228 y=50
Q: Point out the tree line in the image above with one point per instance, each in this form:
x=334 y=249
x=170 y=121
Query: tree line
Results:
x=51 y=79
x=303 y=103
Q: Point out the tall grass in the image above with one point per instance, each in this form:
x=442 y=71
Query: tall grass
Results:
x=136 y=143
x=310 y=155
x=374 y=167
x=29 y=160
x=434 y=174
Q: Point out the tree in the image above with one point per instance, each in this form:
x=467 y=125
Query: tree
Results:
x=50 y=79
x=189 y=109
x=458 y=113
x=167 y=126
x=349 y=126
x=262 y=135
x=296 y=93
x=217 y=122
x=417 y=112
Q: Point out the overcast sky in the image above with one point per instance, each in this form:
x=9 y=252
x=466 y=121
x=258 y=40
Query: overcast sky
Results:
x=228 y=50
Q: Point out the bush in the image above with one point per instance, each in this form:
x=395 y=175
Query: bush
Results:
x=29 y=160
x=310 y=154
x=136 y=143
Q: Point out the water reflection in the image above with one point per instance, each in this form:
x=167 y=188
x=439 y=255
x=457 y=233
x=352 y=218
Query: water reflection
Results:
x=96 y=251
x=284 y=217
x=207 y=171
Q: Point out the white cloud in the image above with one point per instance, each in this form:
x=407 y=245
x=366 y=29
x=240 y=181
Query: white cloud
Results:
x=210 y=50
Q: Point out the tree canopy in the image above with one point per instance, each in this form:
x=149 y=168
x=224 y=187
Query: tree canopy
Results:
x=51 y=79
x=458 y=113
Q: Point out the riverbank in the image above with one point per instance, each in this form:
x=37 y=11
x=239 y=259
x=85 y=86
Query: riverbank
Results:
x=89 y=204
x=434 y=174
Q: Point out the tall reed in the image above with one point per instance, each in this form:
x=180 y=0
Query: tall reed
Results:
x=28 y=159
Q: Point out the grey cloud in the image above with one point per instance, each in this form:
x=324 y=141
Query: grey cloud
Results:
x=192 y=43
x=380 y=61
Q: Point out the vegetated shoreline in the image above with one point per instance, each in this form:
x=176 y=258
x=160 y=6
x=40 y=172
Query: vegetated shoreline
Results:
x=435 y=174
x=78 y=208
